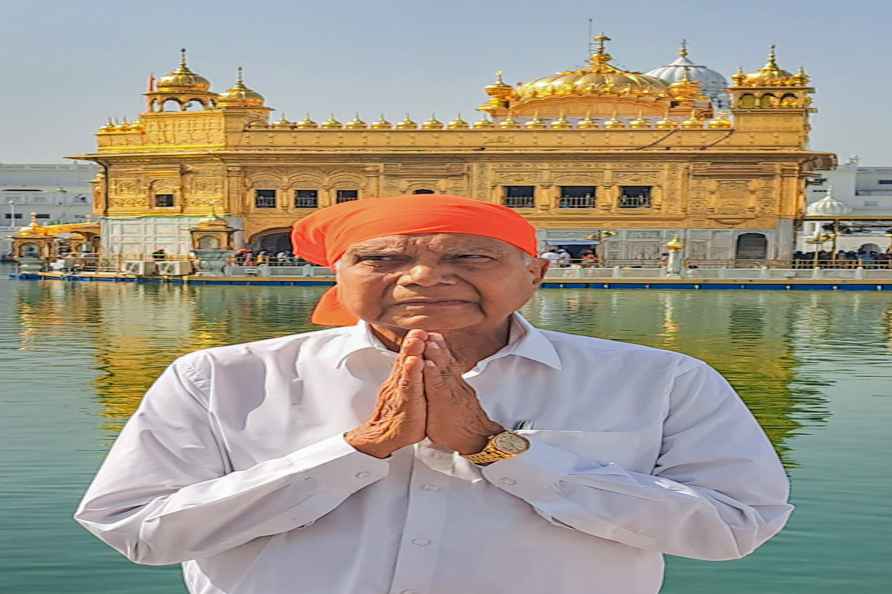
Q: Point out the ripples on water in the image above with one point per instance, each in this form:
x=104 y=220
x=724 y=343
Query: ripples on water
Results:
x=814 y=367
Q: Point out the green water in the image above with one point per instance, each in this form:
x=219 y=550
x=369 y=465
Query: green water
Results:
x=815 y=368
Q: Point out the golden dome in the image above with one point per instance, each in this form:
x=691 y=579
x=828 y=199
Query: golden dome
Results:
x=282 y=122
x=182 y=79
x=238 y=95
x=685 y=88
x=770 y=75
x=509 y=122
x=458 y=124
x=599 y=79
x=692 y=122
x=484 y=123
x=587 y=123
x=406 y=124
x=498 y=89
x=356 y=123
x=108 y=126
x=306 y=124
x=613 y=123
x=381 y=124
x=536 y=123
x=432 y=124
x=331 y=123
x=665 y=123
x=639 y=122
x=562 y=123
x=720 y=122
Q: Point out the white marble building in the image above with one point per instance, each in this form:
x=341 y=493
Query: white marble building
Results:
x=851 y=191
x=55 y=192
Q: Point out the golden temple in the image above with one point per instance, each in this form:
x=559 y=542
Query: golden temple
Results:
x=601 y=148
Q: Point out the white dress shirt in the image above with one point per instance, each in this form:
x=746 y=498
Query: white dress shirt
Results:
x=235 y=465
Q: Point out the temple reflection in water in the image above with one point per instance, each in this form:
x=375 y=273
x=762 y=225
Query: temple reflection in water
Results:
x=757 y=340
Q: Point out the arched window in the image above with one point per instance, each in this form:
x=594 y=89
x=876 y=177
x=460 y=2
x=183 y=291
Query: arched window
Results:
x=789 y=100
x=747 y=101
x=751 y=246
x=767 y=100
x=193 y=105
x=423 y=191
x=171 y=105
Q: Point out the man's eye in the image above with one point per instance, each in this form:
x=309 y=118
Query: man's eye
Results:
x=474 y=257
x=378 y=258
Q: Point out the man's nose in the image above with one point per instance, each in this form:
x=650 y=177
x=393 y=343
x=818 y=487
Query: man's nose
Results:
x=425 y=275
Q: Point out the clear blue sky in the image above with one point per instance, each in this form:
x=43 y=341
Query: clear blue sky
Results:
x=69 y=65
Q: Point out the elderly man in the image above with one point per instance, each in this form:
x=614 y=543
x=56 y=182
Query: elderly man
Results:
x=436 y=442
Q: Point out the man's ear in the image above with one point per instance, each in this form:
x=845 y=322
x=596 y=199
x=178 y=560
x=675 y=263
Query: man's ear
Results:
x=538 y=267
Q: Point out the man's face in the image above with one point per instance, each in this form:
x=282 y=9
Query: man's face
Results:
x=441 y=282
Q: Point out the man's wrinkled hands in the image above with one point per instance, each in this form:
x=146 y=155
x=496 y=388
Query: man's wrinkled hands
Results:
x=455 y=419
x=400 y=415
x=425 y=396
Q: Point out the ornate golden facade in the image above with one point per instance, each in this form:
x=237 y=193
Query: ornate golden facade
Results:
x=710 y=176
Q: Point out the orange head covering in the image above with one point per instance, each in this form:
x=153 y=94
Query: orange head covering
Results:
x=324 y=236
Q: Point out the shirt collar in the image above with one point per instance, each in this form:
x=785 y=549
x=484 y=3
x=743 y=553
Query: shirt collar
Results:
x=524 y=340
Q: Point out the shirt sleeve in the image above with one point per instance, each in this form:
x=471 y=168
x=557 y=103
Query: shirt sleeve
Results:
x=164 y=494
x=718 y=490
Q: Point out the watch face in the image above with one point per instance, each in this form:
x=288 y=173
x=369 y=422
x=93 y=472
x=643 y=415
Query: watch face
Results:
x=511 y=443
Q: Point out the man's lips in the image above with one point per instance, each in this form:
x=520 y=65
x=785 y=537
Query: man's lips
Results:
x=433 y=302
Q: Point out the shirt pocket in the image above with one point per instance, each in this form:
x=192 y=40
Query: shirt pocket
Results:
x=633 y=450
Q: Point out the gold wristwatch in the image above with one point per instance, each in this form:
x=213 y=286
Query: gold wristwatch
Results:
x=500 y=446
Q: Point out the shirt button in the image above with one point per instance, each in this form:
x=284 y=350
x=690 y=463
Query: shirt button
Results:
x=421 y=542
x=430 y=487
x=508 y=482
x=362 y=475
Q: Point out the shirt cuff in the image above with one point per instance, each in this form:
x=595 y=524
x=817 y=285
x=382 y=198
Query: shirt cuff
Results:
x=534 y=475
x=334 y=465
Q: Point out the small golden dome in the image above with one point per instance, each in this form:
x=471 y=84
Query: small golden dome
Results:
x=639 y=122
x=562 y=123
x=692 y=122
x=675 y=244
x=406 y=124
x=665 y=123
x=108 y=126
x=331 y=123
x=432 y=124
x=282 y=122
x=356 y=123
x=238 y=95
x=770 y=75
x=484 y=123
x=685 y=88
x=720 y=122
x=587 y=123
x=306 y=124
x=509 y=122
x=381 y=124
x=536 y=123
x=613 y=123
x=498 y=89
x=182 y=79
x=458 y=124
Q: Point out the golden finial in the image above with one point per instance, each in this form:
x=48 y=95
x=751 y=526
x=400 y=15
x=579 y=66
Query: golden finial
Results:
x=739 y=77
x=692 y=121
x=283 y=122
x=407 y=124
x=509 y=122
x=721 y=121
x=614 y=122
x=639 y=122
x=381 y=124
x=458 y=124
x=683 y=51
x=432 y=124
x=331 y=123
x=600 y=56
x=484 y=123
x=772 y=57
x=183 y=58
x=562 y=123
x=356 y=123
x=306 y=123
x=499 y=77
x=802 y=76
x=240 y=78
x=535 y=123
x=587 y=123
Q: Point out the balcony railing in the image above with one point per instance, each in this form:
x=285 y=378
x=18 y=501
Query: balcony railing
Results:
x=519 y=201
x=577 y=202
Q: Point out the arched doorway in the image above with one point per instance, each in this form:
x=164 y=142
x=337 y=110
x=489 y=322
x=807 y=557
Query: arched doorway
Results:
x=751 y=246
x=272 y=241
x=866 y=248
x=423 y=191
